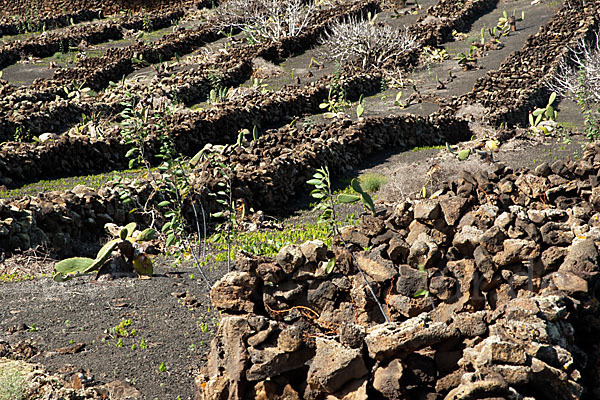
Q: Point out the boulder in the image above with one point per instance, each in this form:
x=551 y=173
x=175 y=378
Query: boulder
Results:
x=387 y=341
x=334 y=365
x=234 y=292
x=386 y=380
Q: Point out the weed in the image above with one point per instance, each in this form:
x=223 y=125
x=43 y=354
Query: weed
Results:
x=360 y=108
x=162 y=367
x=467 y=59
x=433 y=54
x=336 y=99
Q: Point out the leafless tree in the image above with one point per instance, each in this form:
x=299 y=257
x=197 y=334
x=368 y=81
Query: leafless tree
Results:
x=579 y=74
x=266 y=20
x=367 y=43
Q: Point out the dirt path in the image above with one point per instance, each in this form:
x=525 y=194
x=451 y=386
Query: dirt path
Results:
x=170 y=312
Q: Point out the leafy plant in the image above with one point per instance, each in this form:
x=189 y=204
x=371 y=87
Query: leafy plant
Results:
x=360 y=195
x=433 y=54
x=336 y=99
x=322 y=192
x=467 y=58
x=135 y=130
x=125 y=244
x=360 y=107
x=507 y=23
x=398 y=100
x=543 y=120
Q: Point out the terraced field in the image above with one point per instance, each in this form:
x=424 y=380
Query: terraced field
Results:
x=203 y=120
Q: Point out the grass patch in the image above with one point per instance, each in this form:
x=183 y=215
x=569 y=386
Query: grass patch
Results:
x=372 y=182
x=12 y=381
x=15 y=277
x=93 y=181
x=268 y=243
x=428 y=148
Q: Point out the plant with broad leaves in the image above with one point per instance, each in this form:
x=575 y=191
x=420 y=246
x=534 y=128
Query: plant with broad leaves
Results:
x=361 y=195
x=322 y=192
x=127 y=246
x=543 y=120
x=360 y=108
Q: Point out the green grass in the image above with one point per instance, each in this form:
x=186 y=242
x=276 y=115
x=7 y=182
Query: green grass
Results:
x=372 y=182
x=268 y=243
x=8 y=278
x=93 y=181
x=428 y=148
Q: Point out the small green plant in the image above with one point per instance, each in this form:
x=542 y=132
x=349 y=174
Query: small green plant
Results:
x=543 y=120
x=360 y=107
x=336 y=99
x=467 y=59
x=433 y=54
x=143 y=344
x=218 y=92
x=162 y=367
x=372 y=182
x=120 y=330
x=141 y=263
x=360 y=195
x=33 y=328
x=398 y=100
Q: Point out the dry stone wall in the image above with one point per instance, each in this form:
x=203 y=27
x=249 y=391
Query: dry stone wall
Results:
x=269 y=172
x=50 y=7
x=517 y=87
x=510 y=263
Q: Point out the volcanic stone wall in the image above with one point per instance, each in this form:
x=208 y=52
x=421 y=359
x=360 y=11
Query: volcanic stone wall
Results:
x=46 y=7
x=269 y=172
x=490 y=291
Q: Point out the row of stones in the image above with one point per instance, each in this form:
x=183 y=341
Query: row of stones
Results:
x=511 y=311
x=517 y=87
x=17 y=159
x=47 y=44
x=46 y=8
x=52 y=114
x=17 y=25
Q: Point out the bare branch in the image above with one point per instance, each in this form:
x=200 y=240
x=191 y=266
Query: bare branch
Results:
x=266 y=20
x=579 y=74
x=366 y=43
